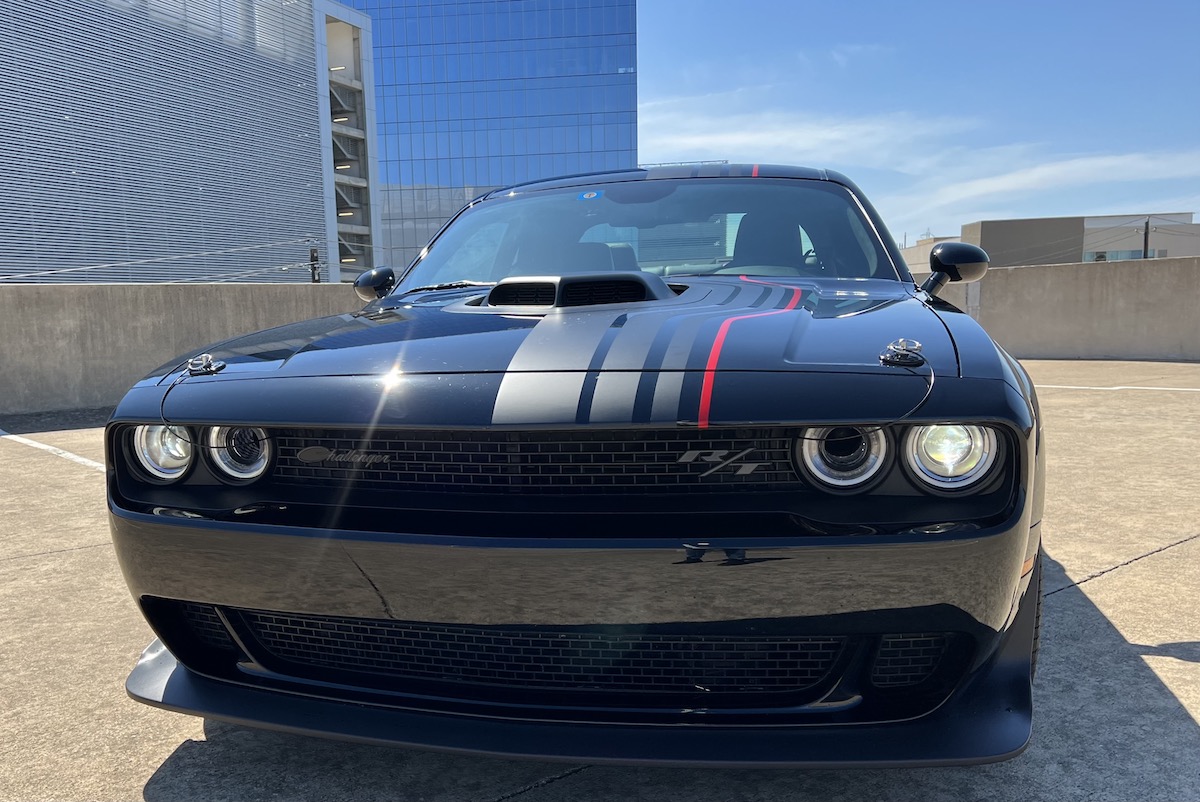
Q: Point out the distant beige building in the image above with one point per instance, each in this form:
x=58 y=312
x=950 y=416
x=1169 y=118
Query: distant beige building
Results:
x=917 y=256
x=1057 y=240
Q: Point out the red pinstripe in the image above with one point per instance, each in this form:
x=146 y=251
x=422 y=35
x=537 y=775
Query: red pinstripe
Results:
x=710 y=369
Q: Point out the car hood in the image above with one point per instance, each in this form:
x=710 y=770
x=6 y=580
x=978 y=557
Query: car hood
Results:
x=713 y=323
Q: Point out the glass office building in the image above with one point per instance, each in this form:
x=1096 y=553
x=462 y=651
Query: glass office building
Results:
x=477 y=94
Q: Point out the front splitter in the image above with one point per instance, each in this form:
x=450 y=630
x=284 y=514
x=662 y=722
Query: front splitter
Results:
x=987 y=720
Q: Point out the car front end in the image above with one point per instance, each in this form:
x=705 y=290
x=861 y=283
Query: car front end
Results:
x=713 y=523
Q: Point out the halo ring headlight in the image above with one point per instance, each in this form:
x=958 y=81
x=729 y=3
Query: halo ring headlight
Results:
x=843 y=458
x=950 y=456
x=240 y=453
x=163 y=452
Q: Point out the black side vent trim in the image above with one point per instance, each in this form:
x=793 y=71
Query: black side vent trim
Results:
x=581 y=293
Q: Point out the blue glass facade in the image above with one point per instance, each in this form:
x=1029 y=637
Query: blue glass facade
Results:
x=476 y=94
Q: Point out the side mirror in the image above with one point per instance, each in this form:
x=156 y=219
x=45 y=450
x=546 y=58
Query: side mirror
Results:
x=954 y=261
x=374 y=283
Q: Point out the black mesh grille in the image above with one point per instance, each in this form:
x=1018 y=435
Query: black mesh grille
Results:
x=536 y=293
x=206 y=625
x=634 y=461
x=543 y=658
x=907 y=659
x=585 y=293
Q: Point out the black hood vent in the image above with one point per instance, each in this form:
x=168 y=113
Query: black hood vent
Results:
x=586 y=293
x=579 y=290
x=525 y=293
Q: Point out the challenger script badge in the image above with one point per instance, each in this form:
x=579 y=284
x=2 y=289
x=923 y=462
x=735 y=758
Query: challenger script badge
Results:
x=354 y=457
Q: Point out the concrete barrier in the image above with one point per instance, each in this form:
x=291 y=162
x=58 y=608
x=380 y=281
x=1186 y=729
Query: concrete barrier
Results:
x=1143 y=309
x=72 y=346
x=1140 y=309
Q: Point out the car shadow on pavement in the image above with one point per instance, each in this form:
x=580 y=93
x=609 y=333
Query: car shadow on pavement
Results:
x=1105 y=727
x=1184 y=650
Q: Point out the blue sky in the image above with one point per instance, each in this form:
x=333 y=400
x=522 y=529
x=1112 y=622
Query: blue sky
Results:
x=944 y=113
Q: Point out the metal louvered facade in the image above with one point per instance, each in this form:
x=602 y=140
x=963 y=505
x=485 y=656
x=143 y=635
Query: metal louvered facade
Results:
x=169 y=140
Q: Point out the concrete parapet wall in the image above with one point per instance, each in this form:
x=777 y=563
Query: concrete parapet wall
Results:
x=1145 y=309
x=1140 y=309
x=70 y=346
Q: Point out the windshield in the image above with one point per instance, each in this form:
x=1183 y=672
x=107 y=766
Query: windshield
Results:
x=759 y=227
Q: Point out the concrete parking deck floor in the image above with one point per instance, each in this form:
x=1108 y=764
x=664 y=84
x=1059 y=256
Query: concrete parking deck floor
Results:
x=1117 y=696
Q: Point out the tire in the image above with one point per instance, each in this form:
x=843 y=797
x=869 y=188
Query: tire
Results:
x=1037 y=619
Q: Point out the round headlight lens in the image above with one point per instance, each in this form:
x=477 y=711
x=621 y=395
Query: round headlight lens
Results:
x=240 y=452
x=950 y=456
x=164 y=452
x=843 y=457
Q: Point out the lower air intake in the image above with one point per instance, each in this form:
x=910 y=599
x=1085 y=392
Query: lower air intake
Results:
x=206 y=625
x=907 y=659
x=543 y=658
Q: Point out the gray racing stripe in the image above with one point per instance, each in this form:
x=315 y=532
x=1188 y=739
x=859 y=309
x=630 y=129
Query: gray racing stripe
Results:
x=645 y=336
x=535 y=388
x=612 y=401
x=669 y=350
x=538 y=398
x=564 y=341
x=685 y=340
x=667 y=396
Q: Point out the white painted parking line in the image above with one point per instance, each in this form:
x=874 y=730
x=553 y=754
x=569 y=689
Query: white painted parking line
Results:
x=1123 y=387
x=58 y=452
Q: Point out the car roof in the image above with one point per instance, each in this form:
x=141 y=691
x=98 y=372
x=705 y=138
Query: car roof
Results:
x=709 y=170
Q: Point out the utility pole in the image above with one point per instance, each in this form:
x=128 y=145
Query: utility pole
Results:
x=314 y=264
x=1146 y=240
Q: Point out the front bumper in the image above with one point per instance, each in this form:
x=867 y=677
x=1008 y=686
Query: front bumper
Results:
x=970 y=584
x=987 y=720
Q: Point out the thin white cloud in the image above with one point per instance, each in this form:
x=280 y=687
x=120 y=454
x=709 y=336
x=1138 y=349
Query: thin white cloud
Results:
x=726 y=125
x=929 y=174
x=842 y=55
x=959 y=193
x=1150 y=204
x=1075 y=172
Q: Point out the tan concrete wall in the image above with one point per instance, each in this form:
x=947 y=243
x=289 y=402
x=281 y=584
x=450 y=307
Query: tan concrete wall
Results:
x=1028 y=242
x=83 y=345
x=71 y=346
x=1144 y=309
x=1093 y=310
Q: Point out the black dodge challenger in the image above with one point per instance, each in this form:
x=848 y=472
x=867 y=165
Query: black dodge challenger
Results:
x=673 y=466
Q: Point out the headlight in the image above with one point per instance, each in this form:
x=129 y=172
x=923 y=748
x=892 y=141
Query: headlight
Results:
x=164 y=452
x=950 y=456
x=241 y=453
x=843 y=457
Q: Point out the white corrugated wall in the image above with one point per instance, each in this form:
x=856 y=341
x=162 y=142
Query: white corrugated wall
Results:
x=158 y=140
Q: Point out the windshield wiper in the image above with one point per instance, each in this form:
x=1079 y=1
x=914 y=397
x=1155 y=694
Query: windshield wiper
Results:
x=450 y=285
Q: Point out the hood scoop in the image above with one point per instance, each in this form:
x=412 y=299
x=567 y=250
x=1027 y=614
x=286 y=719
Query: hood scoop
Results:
x=591 y=289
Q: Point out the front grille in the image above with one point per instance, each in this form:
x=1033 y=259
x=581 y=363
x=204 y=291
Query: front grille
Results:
x=206 y=626
x=632 y=461
x=907 y=659
x=543 y=658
